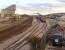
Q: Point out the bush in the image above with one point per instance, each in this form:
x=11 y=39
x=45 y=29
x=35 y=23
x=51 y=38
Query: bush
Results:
x=35 y=43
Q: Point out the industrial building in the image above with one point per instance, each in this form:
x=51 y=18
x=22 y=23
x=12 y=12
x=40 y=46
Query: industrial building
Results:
x=9 y=11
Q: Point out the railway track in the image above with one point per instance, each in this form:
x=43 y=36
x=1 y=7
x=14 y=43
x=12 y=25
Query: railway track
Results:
x=36 y=35
x=24 y=35
x=24 y=39
x=34 y=31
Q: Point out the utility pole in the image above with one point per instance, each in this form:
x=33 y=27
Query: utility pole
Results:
x=44 y=37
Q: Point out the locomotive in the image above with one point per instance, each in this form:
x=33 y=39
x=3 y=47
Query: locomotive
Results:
x=57 y=40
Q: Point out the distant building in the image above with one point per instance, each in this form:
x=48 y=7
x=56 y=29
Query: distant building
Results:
x=62 y=18
x=8 y=11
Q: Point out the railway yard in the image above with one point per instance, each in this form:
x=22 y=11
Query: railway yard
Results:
x=16 y=36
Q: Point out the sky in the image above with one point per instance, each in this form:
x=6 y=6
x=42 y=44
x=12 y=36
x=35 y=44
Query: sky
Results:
x=35 y=6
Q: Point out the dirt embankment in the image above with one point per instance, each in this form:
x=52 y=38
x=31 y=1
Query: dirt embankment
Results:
x=17 y=29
